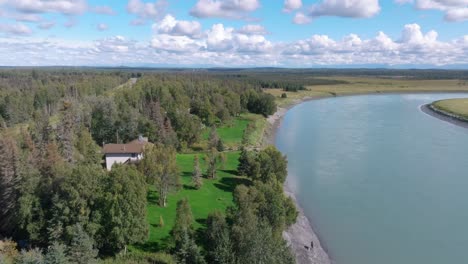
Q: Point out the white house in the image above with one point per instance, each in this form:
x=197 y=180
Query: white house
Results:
x=124 y=153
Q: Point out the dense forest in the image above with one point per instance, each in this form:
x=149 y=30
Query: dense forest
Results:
x=58 y=203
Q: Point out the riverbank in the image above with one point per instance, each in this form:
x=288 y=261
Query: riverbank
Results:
x=300 y=235
x=445 y=116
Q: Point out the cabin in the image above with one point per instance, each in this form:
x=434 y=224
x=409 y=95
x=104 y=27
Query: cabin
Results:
x=131 y=152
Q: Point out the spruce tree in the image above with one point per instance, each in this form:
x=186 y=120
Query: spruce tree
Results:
x=82 y=249
x=9 y=181
x=57 y=254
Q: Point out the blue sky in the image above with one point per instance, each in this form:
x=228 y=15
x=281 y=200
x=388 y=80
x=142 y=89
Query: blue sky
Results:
x=250 y=33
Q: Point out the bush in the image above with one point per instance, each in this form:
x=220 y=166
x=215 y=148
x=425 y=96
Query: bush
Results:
x=284 y=95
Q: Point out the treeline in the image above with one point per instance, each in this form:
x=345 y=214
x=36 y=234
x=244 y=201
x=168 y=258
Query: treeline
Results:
x=168 y=108
x=23 y=92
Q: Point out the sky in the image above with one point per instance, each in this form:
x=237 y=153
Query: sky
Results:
x=235 y=33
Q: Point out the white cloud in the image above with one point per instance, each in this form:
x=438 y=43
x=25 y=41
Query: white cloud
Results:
x=67 y=7
x=169 y=25
x=117 y=44
x=253 y=30
x=15 y=29
x=221 y=45
x=290 y=5
x=301 y=19
x=102 y=27
x=146 y=11
x=454 y=10
x=232 y=9
x=345 y=8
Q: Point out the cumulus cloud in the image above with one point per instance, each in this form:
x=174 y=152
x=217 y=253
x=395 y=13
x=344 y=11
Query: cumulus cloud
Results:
x=232 y=9
x=67 y=7
x=169 y=25
x=15 y=29
x=221 y=45
x=102 y=27
x=345 y=8
x=290 y=5
x=253 y=30
x=454 y=10
x=146 y=11
x=301 y=19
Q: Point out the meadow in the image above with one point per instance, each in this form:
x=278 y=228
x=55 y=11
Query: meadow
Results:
x=457 y=106
x=366 y=85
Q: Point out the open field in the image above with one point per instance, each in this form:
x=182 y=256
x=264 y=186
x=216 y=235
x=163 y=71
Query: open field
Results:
x=364 y=85
x=458 y=107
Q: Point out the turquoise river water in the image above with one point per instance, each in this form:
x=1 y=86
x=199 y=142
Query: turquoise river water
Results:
x=381 y=181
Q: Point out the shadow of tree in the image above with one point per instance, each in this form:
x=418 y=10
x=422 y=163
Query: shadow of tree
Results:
x=152 y=197
x=189 y=187
x=233 y=172
x=229 y=184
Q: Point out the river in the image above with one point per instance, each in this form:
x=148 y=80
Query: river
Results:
x=381 y=181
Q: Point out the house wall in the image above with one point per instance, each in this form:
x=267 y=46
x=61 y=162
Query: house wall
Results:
x=112 y=158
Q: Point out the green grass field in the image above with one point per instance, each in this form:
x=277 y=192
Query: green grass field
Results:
x=233 y=133
x=214 y=195
x=458 y=106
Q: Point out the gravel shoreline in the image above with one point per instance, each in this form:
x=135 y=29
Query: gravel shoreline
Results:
x=301 y=234
x=444 y=116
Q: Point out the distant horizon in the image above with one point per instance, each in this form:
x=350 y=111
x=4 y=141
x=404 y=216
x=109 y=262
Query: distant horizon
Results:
x=234 y=68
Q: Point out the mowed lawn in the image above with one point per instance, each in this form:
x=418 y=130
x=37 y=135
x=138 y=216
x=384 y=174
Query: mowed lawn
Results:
x=214 y=195
x=458 y=106
x=233 y=133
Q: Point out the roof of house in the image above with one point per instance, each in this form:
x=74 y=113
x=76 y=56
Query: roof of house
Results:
x=135 y=146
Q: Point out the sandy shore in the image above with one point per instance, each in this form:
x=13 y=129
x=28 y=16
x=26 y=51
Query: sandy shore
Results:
x=301 y=234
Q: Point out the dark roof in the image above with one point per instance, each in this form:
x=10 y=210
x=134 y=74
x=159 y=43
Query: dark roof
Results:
x=135 y=146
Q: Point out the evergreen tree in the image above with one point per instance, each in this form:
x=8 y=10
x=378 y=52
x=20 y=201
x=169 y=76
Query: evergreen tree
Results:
x=9 y=181
x=56 y=254
x=82 y=250
x=188 y=252
x=197 y=174
x=183 y=222
x=124 y=218
x=33 y=256
x=88 y=151
x=218 y=240
x=66 y=130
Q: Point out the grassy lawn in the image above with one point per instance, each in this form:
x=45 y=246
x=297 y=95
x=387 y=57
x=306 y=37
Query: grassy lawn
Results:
x=232 y=134
x=214 y=195
x=457 y=106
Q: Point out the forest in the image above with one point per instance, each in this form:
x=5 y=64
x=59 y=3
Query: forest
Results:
x=58 y=203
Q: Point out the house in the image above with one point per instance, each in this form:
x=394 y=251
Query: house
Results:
x=124 y=153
